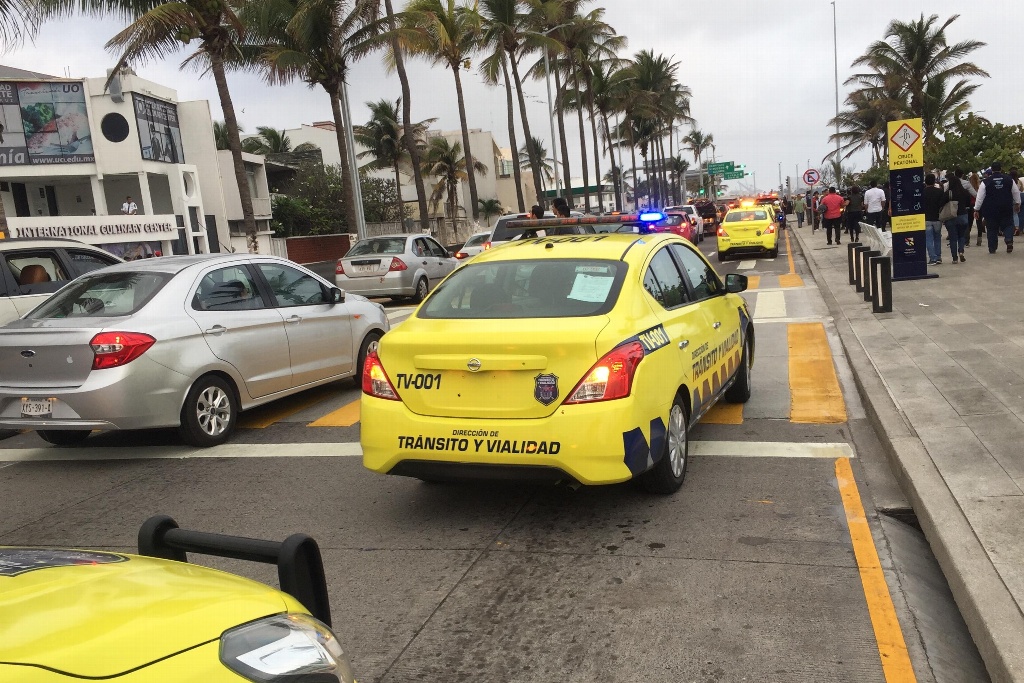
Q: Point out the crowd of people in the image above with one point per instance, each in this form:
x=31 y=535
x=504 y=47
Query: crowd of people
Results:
x=956 y=200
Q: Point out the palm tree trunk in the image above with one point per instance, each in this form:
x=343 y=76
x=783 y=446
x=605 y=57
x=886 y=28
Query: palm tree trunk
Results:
x=348 y=193
x=470 y=171
x=516 y=172
x=566 y=174
x=235 y=144
x=398 y=191
x=597 y=144
x=632 y=151
x=410 y=145
x=664 y=172
x=583 y=136
x=531 y=151
x=616 y=170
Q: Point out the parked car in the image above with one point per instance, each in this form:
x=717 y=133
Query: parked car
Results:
x=501 y=232
x=396 y=266
x=33 y=269
x=179 y=341
x=75 y=615
x=691 y=211
x=473 y=246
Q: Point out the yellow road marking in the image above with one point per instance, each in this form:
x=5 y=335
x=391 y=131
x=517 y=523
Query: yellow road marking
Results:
x=789 y=255
x=264 y=416
x=753 y=282
x=791 y=280
x=724 y=414
x=892 y=648
x=813 y=383
x=345 y=416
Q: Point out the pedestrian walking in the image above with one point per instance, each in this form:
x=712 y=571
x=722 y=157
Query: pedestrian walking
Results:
x=998 y=200
x=958 y=226
x=832 y=215
x=874 y=205
x=800 y=208
x=854 y=212
x=1018 y=217
x=934 y=199
x=975 y=181
x=816 y=215
x=808 y=209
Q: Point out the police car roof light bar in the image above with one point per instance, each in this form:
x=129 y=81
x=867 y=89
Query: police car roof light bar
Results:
x=578 y=220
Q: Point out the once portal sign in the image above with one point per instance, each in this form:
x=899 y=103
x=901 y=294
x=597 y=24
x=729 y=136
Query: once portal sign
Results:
x=812 y=176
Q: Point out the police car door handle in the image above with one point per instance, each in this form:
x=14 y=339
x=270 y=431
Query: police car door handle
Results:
x=683 y=344
x=717 y=325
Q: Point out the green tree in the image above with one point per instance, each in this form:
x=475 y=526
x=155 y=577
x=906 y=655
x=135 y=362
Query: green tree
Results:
x=448 y=33
x=380 y=200
x=220 y=135
x=490 y=207
x=445 y=163
x=385 y=140
x=973 y=142
x=698 y=143
x=547 y=168
x=272 y=141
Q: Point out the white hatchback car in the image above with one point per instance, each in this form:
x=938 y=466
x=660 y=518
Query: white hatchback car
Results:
x=33 y=269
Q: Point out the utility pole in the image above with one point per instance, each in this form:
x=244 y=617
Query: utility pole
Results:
x=835 y=57
x=551 y=119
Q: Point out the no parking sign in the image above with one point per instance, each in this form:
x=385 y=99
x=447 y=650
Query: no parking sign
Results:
x=812 y=177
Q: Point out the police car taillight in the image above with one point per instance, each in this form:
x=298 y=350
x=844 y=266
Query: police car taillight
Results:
x=611 y=377
x=722 y=232
x=770 y=230
x=376 y=382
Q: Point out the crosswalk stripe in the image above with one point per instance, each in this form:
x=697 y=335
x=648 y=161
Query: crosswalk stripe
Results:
x=746 y=265
x=815 y=395
x=798 y=320
x=396 y=313
x=770 y=305
x=731 y=449
x=345 y=416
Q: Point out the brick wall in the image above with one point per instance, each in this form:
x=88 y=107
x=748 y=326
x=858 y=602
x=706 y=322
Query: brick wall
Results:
x=317 y=248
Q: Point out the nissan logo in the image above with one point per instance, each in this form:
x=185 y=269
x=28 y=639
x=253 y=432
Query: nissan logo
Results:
x=28 y=353
x=473 y=364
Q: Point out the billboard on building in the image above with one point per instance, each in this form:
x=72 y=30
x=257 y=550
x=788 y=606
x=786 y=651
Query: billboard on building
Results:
x=44 y=122
x=159 y=134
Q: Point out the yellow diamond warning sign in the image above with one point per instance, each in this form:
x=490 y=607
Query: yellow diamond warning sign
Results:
x=905 y=148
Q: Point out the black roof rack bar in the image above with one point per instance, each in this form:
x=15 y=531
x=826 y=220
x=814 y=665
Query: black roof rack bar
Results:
x=300 y=567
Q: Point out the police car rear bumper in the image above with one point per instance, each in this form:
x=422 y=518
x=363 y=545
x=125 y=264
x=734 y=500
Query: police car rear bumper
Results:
x=587 y=443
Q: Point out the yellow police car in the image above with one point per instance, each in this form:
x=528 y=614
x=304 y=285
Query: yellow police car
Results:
x=74 y=615
x=582 y=358
x=748 y=229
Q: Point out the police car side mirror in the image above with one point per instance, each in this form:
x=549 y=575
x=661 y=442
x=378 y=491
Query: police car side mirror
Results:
x=735 y=283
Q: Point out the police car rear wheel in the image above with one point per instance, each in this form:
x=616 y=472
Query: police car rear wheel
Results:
x=721 y=255
x=739 y=392
x=668 y=474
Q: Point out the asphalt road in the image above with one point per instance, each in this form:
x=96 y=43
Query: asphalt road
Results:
x=771 y=563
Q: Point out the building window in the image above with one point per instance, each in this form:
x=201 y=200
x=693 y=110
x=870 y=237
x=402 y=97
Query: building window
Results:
x=506 y=168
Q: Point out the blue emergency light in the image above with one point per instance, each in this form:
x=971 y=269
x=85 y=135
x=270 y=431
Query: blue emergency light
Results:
x=651 y=217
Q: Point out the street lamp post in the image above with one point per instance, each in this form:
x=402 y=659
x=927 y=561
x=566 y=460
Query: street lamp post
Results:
x=551 y=118
x=835 y=57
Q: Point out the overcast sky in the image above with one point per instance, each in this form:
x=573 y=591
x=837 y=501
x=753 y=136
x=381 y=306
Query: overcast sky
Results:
x=761 y=72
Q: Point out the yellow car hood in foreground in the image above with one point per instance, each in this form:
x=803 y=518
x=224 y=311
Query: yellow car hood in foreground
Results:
x=101 y=620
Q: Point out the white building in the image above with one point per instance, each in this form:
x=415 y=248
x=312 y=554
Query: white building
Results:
x=498 y=183
x=71 y=152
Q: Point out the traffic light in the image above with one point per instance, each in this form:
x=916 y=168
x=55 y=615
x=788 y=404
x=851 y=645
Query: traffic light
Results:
x=701 y=193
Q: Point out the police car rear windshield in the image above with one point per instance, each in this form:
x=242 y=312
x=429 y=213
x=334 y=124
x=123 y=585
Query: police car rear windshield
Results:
x=564 y=288
x=737 y=216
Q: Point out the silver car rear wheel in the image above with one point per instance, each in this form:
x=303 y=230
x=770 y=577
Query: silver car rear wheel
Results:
x=210 y=412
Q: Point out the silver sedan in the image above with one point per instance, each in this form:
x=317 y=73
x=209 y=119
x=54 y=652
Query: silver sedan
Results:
x=180 y=341
x=395 y=266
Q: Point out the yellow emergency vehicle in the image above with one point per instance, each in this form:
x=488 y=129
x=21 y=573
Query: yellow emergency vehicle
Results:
x=583 y=358
x=749 y=228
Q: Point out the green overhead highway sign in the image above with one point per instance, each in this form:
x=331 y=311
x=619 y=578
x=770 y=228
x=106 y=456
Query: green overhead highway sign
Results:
x=722 y=167
x=736 y=175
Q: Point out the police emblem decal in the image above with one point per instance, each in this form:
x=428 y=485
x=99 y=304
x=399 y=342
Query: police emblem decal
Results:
x=545 y=389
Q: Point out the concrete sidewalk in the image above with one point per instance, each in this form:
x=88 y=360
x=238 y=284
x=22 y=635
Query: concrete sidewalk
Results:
x=943 y=382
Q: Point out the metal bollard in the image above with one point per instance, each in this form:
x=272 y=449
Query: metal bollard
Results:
x=850 y=246
x=865 y=269
x=881 y=284
x=858 y=275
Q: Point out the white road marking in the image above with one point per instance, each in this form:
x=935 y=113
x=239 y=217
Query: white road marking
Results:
x=396 y=313
x=733 y=449
x=711 y=253
x=808 y=319
x=770 y=449
x=770 y=305
x=746 y=265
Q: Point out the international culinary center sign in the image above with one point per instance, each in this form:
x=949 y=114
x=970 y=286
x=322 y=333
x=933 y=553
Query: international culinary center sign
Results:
x=114 y=230
x=44 y=122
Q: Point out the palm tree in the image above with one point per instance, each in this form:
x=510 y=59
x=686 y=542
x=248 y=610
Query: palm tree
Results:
x=678 y=166
x=314 y=41
x=698 y=143
x=158 y=28
x=547 y=169
x=384 y=138
x=915 y=52
x=608 y=91
x=445 y=162
x=864 y=123
x=492 y=207
x=220 y=135
x=272 y=141
x=396 y=57
x=448 y=33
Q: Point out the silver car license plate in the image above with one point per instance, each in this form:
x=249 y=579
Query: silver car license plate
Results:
x=36 y=407
x=365 y=269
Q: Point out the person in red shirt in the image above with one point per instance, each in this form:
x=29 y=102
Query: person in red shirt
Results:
x=833 y=214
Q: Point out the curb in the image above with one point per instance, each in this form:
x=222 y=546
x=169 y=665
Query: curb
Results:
x=993 y=618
